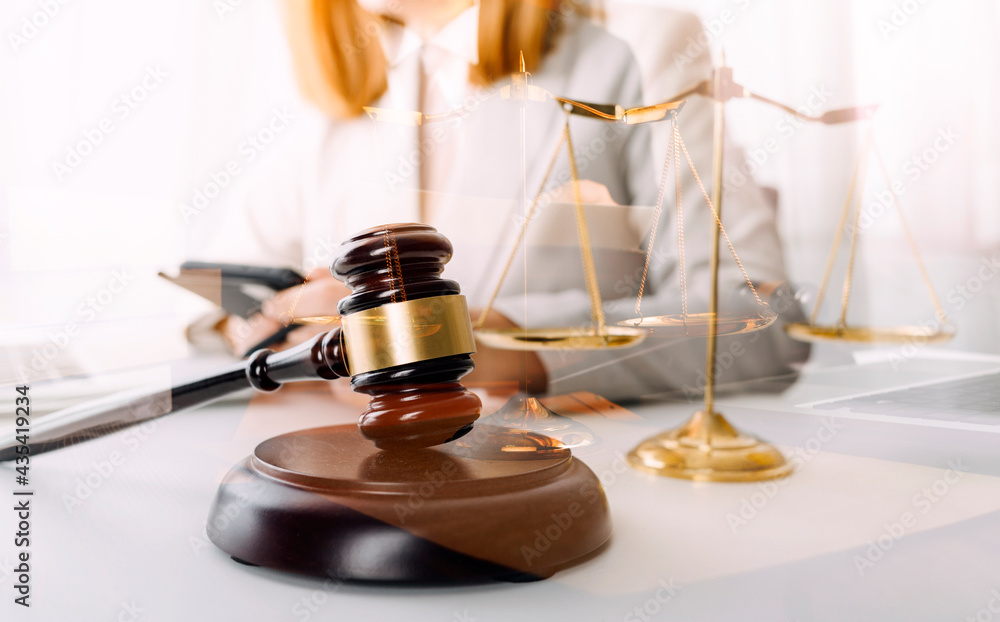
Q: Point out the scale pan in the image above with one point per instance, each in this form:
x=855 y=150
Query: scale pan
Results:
x=700 y=324
x=560 y=338
x=868 y=334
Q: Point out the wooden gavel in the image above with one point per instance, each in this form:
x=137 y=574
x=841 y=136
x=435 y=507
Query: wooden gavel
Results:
x=405 y=340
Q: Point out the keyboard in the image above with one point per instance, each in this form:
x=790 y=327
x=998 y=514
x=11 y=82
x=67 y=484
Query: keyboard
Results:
x=970 y=400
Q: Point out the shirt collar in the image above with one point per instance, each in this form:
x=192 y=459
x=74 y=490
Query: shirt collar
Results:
x=459 y=37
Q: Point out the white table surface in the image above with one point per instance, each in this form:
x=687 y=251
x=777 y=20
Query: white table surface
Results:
x=135 y=547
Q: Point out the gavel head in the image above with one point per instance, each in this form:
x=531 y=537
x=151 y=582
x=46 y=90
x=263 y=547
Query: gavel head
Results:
x=407 y=336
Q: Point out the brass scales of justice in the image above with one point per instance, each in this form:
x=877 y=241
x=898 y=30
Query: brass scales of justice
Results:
x=327 y=503
x=706 y=447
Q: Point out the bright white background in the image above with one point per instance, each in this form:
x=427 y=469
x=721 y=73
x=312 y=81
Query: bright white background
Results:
x=218 y=70
x=933 y=66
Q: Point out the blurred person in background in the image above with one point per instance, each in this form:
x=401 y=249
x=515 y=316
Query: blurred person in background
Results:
x=346 y=172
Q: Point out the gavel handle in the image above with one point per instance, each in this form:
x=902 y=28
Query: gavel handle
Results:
x=320 y=358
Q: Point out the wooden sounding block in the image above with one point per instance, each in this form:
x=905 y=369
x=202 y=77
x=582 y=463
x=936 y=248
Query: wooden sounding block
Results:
x=417 y=492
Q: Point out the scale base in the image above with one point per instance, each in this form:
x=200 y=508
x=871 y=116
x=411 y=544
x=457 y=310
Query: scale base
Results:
x=707 y=449
x=490 y=506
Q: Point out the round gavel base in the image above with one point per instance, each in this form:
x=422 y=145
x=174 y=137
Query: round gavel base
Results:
x=495 y=505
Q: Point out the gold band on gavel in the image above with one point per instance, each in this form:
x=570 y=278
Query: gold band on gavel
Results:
x=407 y=332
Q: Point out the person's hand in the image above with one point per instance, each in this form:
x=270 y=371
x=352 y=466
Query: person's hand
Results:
x=505 y=371
x=317 y=297
x=591 y=193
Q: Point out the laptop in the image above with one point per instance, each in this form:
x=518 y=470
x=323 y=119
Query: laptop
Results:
x=942 y=389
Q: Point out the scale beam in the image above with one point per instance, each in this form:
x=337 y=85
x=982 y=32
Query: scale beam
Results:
x=721 y=88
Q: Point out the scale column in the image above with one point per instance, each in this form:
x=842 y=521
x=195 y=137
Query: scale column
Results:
x=706 y=447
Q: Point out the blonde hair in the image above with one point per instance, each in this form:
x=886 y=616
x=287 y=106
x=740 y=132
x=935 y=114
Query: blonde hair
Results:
x=341 y=68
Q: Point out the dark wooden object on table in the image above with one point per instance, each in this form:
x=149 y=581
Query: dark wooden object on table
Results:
x=415 y=493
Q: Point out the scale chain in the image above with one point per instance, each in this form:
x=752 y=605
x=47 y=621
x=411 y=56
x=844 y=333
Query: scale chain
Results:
x=718 y=222
x=838 y=236
x=681 y=264
x=849 y=277
x=656 y=222
x=586 y=253
x=678 y=146
x=938 y=309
